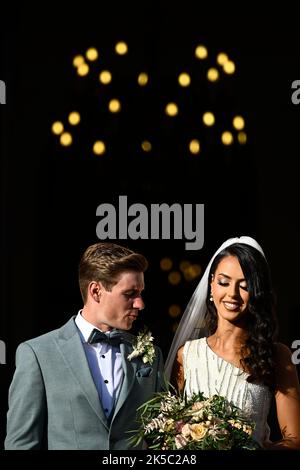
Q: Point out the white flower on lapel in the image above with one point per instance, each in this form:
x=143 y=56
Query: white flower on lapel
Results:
x=143 y=346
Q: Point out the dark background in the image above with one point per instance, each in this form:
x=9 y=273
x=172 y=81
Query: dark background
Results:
x=49 y=194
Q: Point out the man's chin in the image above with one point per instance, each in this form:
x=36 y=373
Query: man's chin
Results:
x=129 y=322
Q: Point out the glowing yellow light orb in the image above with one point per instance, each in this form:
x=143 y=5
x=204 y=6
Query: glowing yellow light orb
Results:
x=78 y=60
x=222 y=58
x=146 y=146
x=105 y=77
x=184 y=265
x=66 y=139
x=74 y=118
x=114 y=106
x=242 y=138
x=212 y=74
x=194 y=146
x=197 y=269
x=92 y=54
x=201 y=52
x=143 y=79
x=174 y=311
x=238 y=123
x=121 y=48
x=192 y=272
x=166 y=264
x=99 y=147
x=171 y=109
x=184 y=79
x=208 y=118
x=83 y=69
x=227 y=138
x=57 y=127
x=174 y=277
x=229 y=67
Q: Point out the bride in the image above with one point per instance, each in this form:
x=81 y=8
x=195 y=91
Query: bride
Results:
x=232 y=314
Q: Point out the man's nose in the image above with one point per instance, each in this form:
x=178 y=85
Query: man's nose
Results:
x=138 y=303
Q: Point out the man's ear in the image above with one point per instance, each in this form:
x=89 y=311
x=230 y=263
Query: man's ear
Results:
x=95 y=289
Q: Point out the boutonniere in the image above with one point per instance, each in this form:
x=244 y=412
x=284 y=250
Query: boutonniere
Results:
x=143 y=346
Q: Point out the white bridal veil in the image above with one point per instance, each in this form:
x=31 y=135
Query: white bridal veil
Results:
x=192 y=318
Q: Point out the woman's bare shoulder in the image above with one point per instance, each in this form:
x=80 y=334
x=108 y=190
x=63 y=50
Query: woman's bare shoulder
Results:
x=179 y=355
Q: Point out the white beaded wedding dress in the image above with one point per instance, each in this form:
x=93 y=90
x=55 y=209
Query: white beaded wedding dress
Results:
x=206 y=372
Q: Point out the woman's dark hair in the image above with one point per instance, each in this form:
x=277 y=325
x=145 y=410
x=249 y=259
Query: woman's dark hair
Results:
x=258 y=352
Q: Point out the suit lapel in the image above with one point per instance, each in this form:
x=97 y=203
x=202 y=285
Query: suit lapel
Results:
x=74 y=356
x=129 y=368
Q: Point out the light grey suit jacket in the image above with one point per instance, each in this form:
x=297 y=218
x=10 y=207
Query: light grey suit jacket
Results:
x=53 y=395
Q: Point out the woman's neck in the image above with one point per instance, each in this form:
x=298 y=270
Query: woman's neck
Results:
x=228 y=338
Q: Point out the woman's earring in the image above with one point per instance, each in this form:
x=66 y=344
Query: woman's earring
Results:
x=211 y=297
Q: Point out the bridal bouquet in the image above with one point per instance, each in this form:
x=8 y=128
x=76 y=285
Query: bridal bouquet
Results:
x=170 y=421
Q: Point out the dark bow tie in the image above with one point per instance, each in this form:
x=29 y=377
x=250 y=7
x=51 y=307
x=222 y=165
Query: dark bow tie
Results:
x=114 y=338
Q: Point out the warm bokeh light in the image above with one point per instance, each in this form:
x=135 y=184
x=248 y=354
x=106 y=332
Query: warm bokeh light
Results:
x=171 y=109
x=229 y=67
x=121 y=48
x=227 y=138
x=114 y=106
x=222 y=58
x=201 y=52
x=174 y=310
x=57 y=127
x=197 y=269
x=174 y=277
x=83 y=69
x=74 y=118
x=66 y=139
x=146 y=146
x=184 y=79
x=91 y=54
x=194 y=146
x=78 y=60
x=192 y=272
x=184 y=265
x=208 y=118
x=166 y=264
x=242 y=138
x=105 y=77
x=213 y=74
x=143 y=79
x=238 y=123
x=99 y=147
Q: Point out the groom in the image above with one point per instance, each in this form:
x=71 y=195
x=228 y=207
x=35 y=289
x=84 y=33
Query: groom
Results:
x=75 y=387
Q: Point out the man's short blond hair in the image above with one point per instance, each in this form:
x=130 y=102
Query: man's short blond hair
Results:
x=104 y=262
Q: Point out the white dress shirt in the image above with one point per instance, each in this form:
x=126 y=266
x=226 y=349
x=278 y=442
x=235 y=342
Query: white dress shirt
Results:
x=105 y=364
